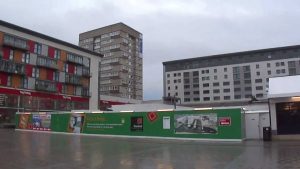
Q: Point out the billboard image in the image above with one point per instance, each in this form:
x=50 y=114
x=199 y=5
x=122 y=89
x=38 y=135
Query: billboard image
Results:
x=196 y=123
x=41 y=122
x=24 y=121
x=76 y=123
x=136 y=123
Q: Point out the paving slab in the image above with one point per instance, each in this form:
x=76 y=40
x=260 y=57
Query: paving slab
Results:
x=34 y=150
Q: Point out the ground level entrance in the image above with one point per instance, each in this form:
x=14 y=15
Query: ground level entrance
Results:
x=288 y=118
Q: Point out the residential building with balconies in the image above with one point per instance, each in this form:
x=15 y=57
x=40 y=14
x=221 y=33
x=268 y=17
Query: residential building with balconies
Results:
x=41 y=73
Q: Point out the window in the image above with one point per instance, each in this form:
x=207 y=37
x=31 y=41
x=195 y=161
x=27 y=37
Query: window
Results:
x=246 y=68
x=196 y=80
x=205 y=84
x=258 y=73
x=37 y=72
x=186 y=80
x=217 y=98
x=216 y=84
x=248 y=96
x=282 y=63
x=291 y=63
x=216 y=77
x=237 y=89
x=168 y=75
x=206 y=98
x=174 y=74
x=226 y=97
x=66 y=68
x=25 y=57
x=186 y=74
x=258 y=80
x=226 y=83
x=259 y=88
x=169 y=88
x=187 y=99
x=215 y=70
x=175 y=81
x=247 y=75
x=202 y=71
x=186 y=86
x=277 y=64
x=56 y=76
x=24 y=83
x=205 y=91
x=236 y=70
x=236 y=82
x=282 y=70
x=268 y=65
x=216 y=91
x=257 y=66
x=186 y=93
x=56 y=54
x=178 y=74
x=247 y=81
x=33 y=72
x=176 y=87
x=237 y=96
x=269 y=72
x=278 y=71
x=225 y=69
x=168 y=81
x=196 y=86
x=169 y=94
x=236 y=76
x=196 y=92
x=8 y=80
x=37 y=48
x=207 y=71
x=196 y=99
x=292 y=71
x=248 y=88
x=11 y=54
x=226 y=90
x=259 y=95
x=195 y=73
x=225 y=76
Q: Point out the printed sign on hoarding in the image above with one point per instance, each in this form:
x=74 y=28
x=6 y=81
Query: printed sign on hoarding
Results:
x=196 y=123
x=224 y=121
x=41 y=122
x=23 y=121
x=76 y=123
x=136 y=123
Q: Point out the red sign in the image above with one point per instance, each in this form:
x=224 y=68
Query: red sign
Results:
x=152 y=116
x=224 y=121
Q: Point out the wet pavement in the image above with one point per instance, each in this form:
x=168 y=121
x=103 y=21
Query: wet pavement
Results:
x=31 y=150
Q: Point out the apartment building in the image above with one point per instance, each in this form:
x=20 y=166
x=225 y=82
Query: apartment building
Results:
x=121 y=68
x=41 y=73
x=225 y=78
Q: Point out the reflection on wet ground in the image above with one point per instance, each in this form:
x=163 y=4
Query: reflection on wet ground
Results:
x=22 y=150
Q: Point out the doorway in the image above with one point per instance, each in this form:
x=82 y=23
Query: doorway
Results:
x=288 y=118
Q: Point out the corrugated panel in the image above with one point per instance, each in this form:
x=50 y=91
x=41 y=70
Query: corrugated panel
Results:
x=6 y=53
x=70 y=90
x=62 y=76
x=31 y=83
x=16 y=81
x=60 y=65
x=1 y=38
x=50 y=74
x=63 y=55
x=44 y=50
x=31 y=46
x=85 y=81
x=43 y=74
x=33 y=58
x=18 y=56
x=3 y=79
x=51 y=52
x=28 y=70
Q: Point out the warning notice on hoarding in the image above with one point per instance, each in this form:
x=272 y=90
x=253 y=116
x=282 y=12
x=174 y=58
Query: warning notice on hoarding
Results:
x=224 y=121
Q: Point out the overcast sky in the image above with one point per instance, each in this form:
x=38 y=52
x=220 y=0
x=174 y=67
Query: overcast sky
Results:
x=172 y=29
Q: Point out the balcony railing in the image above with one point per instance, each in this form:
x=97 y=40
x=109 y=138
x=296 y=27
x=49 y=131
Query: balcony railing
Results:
x=12 y=67
x=44 y=85
x=15 y=42
x=86 y=72
x=74 y=58
x=72 y=79
x=85 y=92
x=46 y=62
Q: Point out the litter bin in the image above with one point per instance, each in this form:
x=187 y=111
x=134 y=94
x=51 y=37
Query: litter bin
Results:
x=267 y=135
